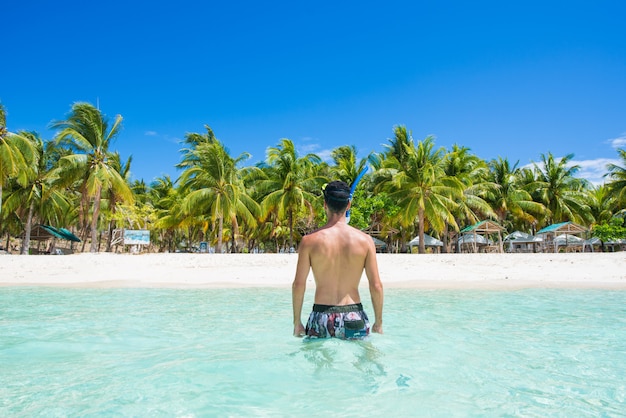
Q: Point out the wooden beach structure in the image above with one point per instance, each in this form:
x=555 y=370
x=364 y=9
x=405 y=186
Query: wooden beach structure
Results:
x=41 y=233
x=477 y=237
x=568 y=235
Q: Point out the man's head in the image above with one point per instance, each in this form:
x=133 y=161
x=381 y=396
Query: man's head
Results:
x=337 y=196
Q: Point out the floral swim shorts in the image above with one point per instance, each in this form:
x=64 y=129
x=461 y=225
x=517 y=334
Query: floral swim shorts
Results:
x=345 y=322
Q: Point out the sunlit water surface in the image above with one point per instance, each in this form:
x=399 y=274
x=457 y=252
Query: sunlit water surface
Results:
x=229 y=352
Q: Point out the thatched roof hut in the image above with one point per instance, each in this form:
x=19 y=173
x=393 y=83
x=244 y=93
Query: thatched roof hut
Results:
x=569 y=229
x=484 y=229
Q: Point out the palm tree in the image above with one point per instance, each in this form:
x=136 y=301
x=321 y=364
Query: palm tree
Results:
x=511 y=202
x=167 y=201
x=472 y=172
x=289 y=183
x=17 y=153
x=87 y=134
x=114 y=197
x=617 y=176
x=400 y=144
x=601 y=202
x=213 y=183
x=561 y=193
x=40 y=197
x=347 y=165
x=416 y=179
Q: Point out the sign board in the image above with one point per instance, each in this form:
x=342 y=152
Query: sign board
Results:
x=136 y=237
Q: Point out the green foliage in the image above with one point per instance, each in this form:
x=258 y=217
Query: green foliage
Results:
x=368 y=208
x=273 y=204
x=612 y=230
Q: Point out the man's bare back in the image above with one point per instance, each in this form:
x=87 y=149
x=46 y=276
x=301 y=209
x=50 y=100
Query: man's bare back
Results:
x=337 y=254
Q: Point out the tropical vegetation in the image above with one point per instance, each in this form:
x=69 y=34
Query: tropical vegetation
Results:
x=76 y=181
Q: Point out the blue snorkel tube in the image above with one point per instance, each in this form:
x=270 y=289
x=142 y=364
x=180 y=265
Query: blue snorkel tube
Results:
x=353 y=188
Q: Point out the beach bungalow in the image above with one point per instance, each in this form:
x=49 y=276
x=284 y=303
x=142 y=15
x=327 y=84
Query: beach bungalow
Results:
x=470 y=243
x=429 y=242
x=564 y=236
x=485 y=230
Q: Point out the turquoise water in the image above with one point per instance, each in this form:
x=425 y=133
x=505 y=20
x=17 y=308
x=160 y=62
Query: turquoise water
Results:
x=229 y=352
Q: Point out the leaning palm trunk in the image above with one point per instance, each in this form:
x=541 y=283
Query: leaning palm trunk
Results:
x=110 y=237
x=220 y=235
x=445 y=238
x=28 y=228
x=235 y=234
x=94 y=222
x=290 y=229
x=420 y=228
x=83 y=220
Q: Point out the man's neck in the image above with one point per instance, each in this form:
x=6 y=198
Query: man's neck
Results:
x=335 y=218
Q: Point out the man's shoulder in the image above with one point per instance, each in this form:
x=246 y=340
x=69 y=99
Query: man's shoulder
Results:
x=359 y=233
x=313 y=236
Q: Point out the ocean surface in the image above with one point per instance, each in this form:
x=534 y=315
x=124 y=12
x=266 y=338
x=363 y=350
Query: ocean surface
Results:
x=229 y=352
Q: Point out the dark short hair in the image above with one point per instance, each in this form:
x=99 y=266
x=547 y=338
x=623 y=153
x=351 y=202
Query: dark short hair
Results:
x=337 y=196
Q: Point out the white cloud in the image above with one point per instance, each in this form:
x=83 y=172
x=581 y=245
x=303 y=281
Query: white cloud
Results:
x=308 y=148
x=590 y=170
x=593 y=170
x=314 y=148
x=619 y=142
x=325 y=155
x=150 y=133
x=173 y=139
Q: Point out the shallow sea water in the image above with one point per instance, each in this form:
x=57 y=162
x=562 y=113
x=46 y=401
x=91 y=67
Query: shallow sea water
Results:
x=229 y=352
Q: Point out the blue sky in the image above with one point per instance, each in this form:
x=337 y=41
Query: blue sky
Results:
x=509 y=79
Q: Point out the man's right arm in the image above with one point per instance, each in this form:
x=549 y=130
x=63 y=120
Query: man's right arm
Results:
x=375 y=286
x=299 y=287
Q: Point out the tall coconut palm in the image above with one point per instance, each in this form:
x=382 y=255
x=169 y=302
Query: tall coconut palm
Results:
x=212 y=181
x=399 y=145
x=17 y=153
x=510 y=201
x=86 y=132
x=602 y=204
x=617 y=179
x=472 y=172
x=417 y=181
x=40 y=196
x=167 y=200
x=347 y=165
x=290 y=183
x=114 y=197
x=561 y=193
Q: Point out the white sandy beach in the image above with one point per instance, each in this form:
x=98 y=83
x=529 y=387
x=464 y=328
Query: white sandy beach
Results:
x=428 y=271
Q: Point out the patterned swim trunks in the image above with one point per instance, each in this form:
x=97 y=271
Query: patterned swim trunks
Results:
x=345 y=322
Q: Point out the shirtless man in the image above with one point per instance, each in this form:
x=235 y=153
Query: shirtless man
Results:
x=337 y=253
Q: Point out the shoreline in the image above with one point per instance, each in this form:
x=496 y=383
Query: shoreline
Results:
x=415 y=271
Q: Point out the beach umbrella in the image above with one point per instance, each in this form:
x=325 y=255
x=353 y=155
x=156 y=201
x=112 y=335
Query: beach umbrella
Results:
x=471 y=238
x=518 y=235
x=428 y=241
x=568 y=239
x=379 y=244
x=520 y=238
